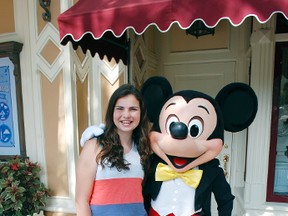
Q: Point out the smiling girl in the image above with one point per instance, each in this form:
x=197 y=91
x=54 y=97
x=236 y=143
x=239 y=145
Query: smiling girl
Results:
x=110 y=170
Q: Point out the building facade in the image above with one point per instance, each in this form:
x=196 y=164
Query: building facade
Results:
x=63 y=91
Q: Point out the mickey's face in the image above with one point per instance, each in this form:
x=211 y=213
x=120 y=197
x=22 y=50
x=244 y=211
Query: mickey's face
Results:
x=188 y=130
x=184 y=130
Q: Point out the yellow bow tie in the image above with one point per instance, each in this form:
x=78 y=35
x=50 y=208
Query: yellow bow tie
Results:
x=190 y=177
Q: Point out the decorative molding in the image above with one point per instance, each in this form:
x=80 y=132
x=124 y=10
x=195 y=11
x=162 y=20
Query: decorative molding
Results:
x=111 y=73
x=81 y=68
x=144 y=59
x=258 y=136
x=49 y=33
x=45 y=4
x=263 y=35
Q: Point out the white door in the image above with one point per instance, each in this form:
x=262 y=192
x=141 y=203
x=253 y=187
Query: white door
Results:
x=208 y=78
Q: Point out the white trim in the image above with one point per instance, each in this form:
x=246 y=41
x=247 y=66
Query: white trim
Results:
x=70 y=103
x=281 y=37
x=24 y=26
x=94 y=92
x=259 y=131
x=36 y=149
x=64 y=5
x=10 y=37
x=60 y=204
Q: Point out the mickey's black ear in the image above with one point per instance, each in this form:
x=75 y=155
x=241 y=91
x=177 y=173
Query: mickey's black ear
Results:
x=239 y=105
x=155 y=90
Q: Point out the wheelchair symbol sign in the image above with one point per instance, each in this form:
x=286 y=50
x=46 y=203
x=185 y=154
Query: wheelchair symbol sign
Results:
x=4 y=111
x=5 y=133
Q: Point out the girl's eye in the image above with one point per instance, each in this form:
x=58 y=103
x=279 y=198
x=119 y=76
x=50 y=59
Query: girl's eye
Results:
x=170 y=120
x=195 y=127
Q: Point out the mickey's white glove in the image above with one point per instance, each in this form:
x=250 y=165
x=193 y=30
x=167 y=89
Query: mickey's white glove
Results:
x=92 y=131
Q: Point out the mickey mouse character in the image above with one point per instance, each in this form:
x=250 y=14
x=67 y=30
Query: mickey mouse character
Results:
x=187 y=136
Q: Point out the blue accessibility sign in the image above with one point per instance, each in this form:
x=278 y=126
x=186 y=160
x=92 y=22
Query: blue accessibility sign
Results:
x=4 y=111
x=5 y=133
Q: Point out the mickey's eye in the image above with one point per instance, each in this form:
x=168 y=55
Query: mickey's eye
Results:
x=195 y=127
x=170 y=120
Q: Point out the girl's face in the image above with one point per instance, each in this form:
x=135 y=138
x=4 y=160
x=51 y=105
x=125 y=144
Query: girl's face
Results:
x=126 y=114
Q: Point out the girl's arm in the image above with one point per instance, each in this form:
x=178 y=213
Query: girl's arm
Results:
x=85 y=176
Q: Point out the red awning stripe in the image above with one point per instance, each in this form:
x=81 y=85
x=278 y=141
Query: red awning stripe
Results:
x=97 y=17
x=87 y=22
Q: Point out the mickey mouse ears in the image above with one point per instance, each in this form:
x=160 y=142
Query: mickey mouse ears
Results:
x=239 y=105
x=155 y=90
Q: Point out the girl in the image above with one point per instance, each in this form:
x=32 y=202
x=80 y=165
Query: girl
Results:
x=110 y=170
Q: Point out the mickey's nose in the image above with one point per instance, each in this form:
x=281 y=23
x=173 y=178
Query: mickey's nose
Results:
x=178 y=130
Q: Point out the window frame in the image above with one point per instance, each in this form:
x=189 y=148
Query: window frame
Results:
x=270 y=196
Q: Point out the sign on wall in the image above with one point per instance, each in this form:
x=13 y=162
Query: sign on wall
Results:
x=9 y=136
x=12 y=133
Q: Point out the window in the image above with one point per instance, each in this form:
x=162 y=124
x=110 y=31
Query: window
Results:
x=277 y=189
x=281 y=24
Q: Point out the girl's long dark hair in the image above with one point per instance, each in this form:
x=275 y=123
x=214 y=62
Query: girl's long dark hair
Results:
x=112 y=150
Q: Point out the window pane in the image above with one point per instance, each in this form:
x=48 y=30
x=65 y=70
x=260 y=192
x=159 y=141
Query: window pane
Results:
x=281 y=160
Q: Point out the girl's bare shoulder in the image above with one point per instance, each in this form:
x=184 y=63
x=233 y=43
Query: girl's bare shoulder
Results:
x=91 y=145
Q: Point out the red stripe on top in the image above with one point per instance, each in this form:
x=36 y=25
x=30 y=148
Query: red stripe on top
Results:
x=117 y=191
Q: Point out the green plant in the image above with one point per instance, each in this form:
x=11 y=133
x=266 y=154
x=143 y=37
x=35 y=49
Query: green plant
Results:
x=21 y=191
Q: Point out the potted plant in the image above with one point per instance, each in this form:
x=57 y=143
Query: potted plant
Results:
x=21 y=191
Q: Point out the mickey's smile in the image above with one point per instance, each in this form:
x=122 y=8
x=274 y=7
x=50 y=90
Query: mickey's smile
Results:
x=180 y=162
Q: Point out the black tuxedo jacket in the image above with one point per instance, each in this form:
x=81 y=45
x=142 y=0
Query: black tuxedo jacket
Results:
x=213 y=181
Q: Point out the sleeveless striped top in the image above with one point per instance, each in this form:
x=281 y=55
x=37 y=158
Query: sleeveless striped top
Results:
x=119 y=192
